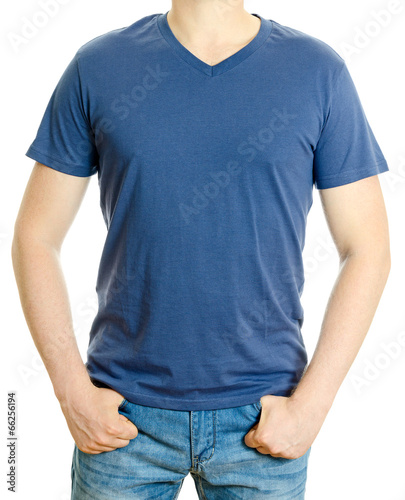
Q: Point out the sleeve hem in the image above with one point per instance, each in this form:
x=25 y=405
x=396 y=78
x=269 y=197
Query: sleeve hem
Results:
x=49 y=161
x=351 y=176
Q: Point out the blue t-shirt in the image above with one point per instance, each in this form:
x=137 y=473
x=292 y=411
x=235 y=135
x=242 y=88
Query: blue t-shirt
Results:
x=206 y=176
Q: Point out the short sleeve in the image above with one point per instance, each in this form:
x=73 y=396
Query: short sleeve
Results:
x=65 y=140
x=347 y=150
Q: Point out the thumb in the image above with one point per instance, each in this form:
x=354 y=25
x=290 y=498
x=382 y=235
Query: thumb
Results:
x=123 y=418
x=128 y=426
x=250 y=437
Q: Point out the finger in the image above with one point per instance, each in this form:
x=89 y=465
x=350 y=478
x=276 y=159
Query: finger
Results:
x=263 y=450
x=128 y=430
x=113 y=442
x=121 y=443
x=250 y=439
x=102 y=448
x=117 y=442
x=126 y=423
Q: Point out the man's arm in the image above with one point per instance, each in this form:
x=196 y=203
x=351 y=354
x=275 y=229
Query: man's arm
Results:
x=48 y=208
x=357 y=220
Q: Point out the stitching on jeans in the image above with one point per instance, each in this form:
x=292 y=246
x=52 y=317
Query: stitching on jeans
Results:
x=201 y=488
x=192 y=441
x=214 y=425
x=178 y=490
x=123 y=404
x=258 y=405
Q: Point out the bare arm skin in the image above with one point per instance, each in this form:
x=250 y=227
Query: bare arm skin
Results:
x=357 y=219
x=48 y=208
x=358 y=223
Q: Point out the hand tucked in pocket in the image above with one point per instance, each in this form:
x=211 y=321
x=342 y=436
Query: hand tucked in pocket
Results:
x=94 y=421
x=286 y=428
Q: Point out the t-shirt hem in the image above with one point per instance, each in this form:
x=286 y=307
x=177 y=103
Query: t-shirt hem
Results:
x=49 y=161
x=352 y=176
x=170 y=403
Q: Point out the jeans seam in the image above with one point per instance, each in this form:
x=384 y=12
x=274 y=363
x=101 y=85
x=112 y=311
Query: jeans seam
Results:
x=123 y=404
x=176 y=495
x=193 y=461
x=201 y=488
x=214 y=425
x=258 y=405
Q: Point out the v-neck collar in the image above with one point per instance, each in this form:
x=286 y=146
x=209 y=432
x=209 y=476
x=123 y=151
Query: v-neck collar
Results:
x=226 y=64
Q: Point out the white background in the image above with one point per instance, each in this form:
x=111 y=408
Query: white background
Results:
x=359 y=452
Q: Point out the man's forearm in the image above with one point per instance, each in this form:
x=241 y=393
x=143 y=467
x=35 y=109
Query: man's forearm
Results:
x=349 y=313
x=45 y=303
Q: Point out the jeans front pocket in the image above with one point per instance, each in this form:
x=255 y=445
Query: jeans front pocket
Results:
x=122 y=404
x=258 y=405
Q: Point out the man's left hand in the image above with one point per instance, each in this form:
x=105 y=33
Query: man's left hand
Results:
x=286 y=428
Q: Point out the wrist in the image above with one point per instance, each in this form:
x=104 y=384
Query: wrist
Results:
x=311 y=403
x=77 y=384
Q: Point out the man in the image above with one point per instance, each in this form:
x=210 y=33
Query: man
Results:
x=208 y=127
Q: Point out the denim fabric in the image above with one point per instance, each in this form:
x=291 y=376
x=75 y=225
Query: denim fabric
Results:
x=208 y=444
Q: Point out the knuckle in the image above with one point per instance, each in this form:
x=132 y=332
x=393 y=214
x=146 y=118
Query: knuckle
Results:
x=111 y=429
x=261 y=438
x=99 y=439
x=276 y=450
x=103 y=441
x=131 y=431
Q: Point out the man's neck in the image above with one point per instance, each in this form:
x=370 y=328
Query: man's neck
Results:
x=211 y=23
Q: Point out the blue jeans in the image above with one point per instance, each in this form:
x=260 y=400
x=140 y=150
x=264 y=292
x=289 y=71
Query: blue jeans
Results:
x=208 y=444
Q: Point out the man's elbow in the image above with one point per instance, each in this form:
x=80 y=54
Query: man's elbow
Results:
x=376 y=255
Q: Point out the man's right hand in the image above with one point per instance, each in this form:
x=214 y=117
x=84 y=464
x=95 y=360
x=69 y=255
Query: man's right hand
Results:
x=94 y=422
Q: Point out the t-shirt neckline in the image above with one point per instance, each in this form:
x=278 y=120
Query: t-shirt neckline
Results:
x=226 y=64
